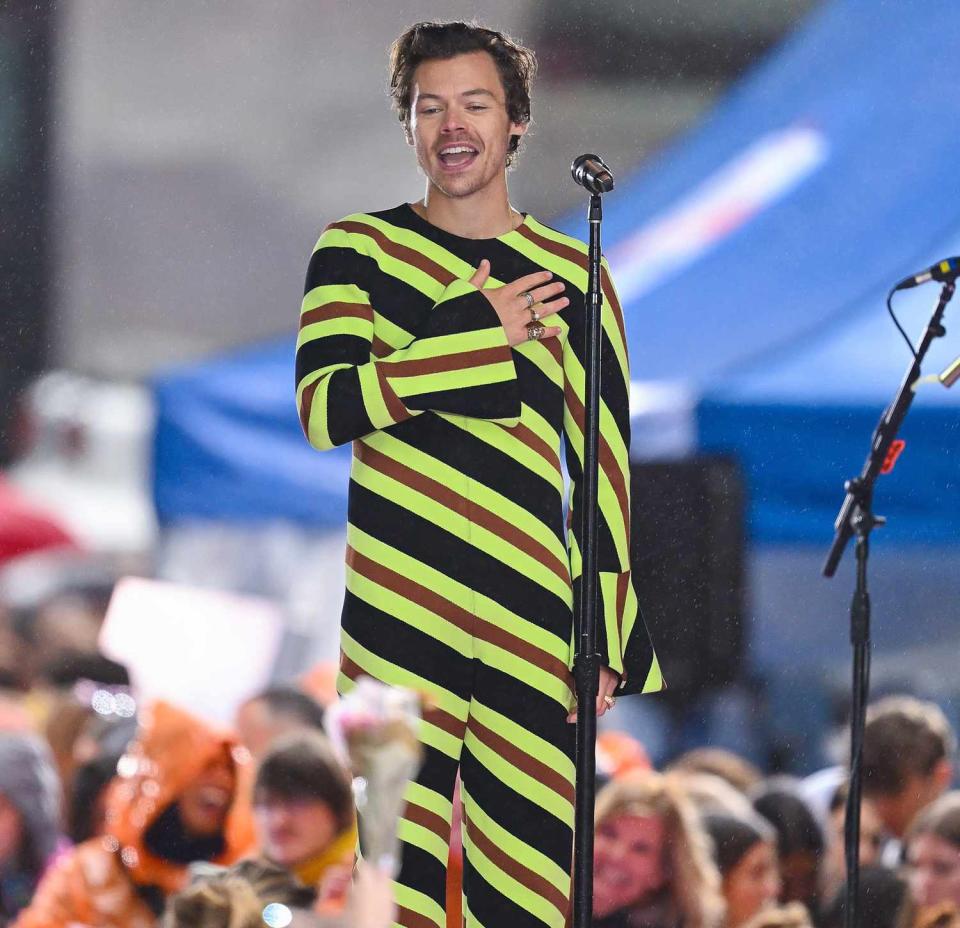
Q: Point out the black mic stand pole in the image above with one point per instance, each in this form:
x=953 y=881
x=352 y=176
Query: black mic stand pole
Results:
x=586 y=669
x=856 y=517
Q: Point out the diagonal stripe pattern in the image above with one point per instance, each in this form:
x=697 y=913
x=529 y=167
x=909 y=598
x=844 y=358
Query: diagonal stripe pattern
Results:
x=461 y=572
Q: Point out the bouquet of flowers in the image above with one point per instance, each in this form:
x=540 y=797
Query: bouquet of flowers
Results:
x=375 y=728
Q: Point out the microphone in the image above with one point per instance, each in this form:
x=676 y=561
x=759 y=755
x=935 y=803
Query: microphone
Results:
x=946 y=270
x=590 y=172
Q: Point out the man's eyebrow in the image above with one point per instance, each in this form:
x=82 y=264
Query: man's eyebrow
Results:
x=467 y=93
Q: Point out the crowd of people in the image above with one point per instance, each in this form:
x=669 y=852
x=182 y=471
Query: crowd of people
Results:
x=119 y=814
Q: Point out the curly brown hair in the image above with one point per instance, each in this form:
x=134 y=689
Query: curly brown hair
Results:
x=431 y=40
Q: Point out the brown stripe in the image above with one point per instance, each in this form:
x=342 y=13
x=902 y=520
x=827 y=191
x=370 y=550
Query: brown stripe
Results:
x=379 y=348
x=456 y=615
x=533 y=441
x=400 y=252
x=336 y=310
x=533 y=768
x=429 y=820
x=461 y=360
x=306 y=404
x=410 y=919
x=432 y=714
x=608 y=463
x=538 y=885
x=457 y=503
x=555 y=347
x=397 y=411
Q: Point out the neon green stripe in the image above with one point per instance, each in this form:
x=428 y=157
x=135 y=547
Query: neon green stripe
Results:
x=420 y=795
x=410 y=613
x=459 y=594
x=654 y=681
x=513 y=846
x=515 y=891
x=485 y=497
x=455 y=343
x=469 y=919
x=469 y=532
x=505 y=441
x=386 y=672
x=519 y=782
x=527 y=741
x=390 y=333
x=333 y=293
x=338 y=325
x=419 y=902
x=608 y=599
x=534 y=677
x=423 y=838
x=373 y=401
x=568 y=270
x=317 y=433
x=476 y=376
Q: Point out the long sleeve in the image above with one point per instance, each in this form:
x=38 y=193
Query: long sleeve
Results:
x=358 y=372
x=622 y=638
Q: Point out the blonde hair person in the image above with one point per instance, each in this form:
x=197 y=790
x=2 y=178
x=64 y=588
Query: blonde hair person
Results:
x=652 y=861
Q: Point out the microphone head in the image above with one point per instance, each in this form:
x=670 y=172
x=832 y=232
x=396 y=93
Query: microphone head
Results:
x=590 y=172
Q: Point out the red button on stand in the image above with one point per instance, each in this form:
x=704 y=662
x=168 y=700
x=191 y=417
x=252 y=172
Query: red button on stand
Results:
x=893 y=452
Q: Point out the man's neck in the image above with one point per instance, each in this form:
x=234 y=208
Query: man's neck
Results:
x=485 y=214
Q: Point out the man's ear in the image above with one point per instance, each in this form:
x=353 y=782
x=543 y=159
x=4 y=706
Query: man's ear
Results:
x=943 y=775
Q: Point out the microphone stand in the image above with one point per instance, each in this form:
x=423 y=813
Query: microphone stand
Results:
x=856 y=517
x=586 y=669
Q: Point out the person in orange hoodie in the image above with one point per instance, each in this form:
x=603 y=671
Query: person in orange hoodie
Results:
x=172 y=804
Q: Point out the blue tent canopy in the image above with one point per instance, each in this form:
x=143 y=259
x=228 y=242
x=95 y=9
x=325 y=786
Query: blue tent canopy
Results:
x=752 y=260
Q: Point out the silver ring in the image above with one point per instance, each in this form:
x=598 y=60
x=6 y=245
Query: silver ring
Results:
x=535 y=331
x=530 y=299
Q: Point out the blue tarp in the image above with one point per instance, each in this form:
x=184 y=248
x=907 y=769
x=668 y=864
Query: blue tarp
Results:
x=752 y=257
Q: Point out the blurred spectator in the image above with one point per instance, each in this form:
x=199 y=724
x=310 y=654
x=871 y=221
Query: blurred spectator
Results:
x=29 y=819
x=712 y=794
x=880 y=899
x=303 y=806
x=933 y=861
x=652 y=865
x=792 y=915
x=833 y=871
x=274 y=712
x=87 y=806
x=739 y=773
x=618 y=754
x=908 y=749
x=745 y=850
x=171 y=804
x=799 y=840
x=238 y=898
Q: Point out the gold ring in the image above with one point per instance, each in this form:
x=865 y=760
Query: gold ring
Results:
x=529 y=298
x=610 y=700
x=534 y=331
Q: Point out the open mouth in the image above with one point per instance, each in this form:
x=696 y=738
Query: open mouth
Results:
x=458 y=156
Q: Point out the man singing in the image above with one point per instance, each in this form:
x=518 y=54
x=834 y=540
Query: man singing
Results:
x=444 y=338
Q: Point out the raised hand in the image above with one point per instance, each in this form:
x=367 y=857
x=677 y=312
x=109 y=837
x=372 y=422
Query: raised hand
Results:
x=519 y=313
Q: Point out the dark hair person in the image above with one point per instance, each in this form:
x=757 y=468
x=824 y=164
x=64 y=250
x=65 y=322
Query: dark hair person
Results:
x=652 y=863
x=745 y=850
x=443 y=339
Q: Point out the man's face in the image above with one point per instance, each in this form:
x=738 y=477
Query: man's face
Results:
x=459 y=125
x=897 y=810
x=293 y=830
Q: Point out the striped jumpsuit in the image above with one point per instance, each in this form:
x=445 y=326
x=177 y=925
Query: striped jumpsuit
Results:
x=461 y=573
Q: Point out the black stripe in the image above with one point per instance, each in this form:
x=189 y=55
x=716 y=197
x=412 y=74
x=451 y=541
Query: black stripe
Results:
x=423 y=872
x=516 y=814
x=445 y=552
x=399 y=643
x=489 y=907
x=331 y=349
